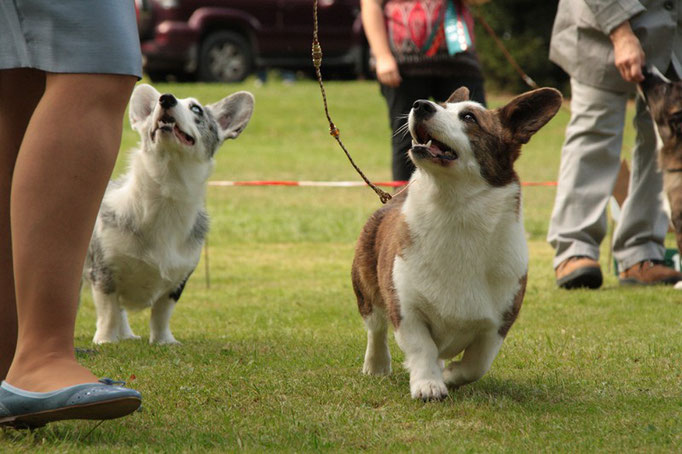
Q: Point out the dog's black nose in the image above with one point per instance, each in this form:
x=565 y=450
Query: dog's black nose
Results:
x=423 y=108
x=167 y=101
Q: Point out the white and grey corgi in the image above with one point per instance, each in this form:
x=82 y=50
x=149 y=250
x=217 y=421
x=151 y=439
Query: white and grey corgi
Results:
x=152 y=222
x=446 y=260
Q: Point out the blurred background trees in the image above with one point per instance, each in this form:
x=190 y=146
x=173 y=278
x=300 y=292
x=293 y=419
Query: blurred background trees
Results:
x=525 y=27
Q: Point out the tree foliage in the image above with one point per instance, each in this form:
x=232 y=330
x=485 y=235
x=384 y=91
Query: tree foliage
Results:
x=524 y=27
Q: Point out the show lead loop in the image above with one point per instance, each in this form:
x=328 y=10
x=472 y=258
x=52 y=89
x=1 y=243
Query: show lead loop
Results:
x=333 y=130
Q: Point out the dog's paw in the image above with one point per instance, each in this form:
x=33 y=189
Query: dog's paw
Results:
x=678 y=286
x=130 y=336
x=166 y=340
x=377 y=367
x=427 y=390
x=377 y=361
x=104 y=339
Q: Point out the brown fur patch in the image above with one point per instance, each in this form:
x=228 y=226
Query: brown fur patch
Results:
x=524 y=115
x=513 y=312
x=672 y=183
x=384 y=237
x=493 y=148
x=665 y=104
x=497 y=135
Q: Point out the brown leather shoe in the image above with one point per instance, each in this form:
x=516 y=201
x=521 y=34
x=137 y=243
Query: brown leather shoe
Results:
x=577 y=272
x=649 y=272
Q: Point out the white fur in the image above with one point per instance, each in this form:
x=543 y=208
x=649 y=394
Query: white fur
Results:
x=377 y=354
x=161 y=196
x=463 y=268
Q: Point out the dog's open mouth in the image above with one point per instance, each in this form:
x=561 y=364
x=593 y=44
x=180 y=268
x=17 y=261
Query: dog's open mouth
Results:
x=167 y=124
x=424 y=145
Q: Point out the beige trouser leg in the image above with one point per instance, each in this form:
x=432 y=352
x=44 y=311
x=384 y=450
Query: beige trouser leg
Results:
x=590 y=160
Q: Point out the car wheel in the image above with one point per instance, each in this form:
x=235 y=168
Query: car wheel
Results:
x=225 y=57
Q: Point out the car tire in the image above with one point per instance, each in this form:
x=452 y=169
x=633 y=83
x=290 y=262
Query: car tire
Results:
x=224 y=57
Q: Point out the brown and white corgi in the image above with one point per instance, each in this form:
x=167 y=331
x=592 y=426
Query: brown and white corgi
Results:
x=446 y=261
x=664 y=99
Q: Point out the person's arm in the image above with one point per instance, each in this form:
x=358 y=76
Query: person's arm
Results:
x=375 y=30
x=612 y=17
x=609 y=14
x=628 y=54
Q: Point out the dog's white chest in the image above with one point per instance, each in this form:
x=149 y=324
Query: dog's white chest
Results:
x=461 y=271
x=140 y=284
x=144 y=274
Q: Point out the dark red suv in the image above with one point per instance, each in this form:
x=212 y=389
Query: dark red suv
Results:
x=225 y=40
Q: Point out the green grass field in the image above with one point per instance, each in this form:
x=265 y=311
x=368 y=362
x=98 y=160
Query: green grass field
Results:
x=272 y=351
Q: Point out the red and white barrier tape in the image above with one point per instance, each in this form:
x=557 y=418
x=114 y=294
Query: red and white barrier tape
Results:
x=338 y=184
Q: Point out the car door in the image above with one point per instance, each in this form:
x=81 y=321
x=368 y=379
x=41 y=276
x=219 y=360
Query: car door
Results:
x=336 y=19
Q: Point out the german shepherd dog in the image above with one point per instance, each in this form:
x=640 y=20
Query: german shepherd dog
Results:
x=664 y=98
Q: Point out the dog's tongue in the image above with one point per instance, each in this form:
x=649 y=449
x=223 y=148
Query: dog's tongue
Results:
x=182 y=137
x=435 y=149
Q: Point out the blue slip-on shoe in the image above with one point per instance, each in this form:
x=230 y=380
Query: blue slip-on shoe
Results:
x=103 y=400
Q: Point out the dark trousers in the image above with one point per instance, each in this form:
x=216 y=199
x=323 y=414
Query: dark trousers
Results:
x=400 y=99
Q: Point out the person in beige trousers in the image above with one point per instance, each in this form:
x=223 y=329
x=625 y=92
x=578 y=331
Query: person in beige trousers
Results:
x=602 y=45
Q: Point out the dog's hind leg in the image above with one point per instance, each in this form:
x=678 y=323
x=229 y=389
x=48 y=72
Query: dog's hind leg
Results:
x=109 y=317
x=125 y=332
x=159 y=324
x=377 y=355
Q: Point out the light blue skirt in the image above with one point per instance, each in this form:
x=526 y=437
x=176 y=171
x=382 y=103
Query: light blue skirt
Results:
x=70 y=36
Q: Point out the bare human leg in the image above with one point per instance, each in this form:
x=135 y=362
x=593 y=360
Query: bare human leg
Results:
x=60 y=174
x=16 y=108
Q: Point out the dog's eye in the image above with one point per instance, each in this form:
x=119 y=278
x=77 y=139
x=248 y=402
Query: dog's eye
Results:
x=196 y=109
x=468 y=117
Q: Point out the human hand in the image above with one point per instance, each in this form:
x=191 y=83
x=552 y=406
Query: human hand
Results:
x=628 y=54
x=387 y=71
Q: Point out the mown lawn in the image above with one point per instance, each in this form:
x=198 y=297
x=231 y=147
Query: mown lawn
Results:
x=272 y=350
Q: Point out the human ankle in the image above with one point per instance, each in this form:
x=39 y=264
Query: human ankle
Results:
x=47 y=374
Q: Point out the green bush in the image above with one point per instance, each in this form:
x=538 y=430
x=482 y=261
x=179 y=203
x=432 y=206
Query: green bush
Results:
x=524 y=27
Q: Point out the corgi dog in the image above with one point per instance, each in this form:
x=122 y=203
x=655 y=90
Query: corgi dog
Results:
x=446 y=260
x=152 y=222
x=664 y=100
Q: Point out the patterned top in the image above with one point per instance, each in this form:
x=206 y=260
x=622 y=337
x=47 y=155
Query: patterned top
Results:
x=416 y=35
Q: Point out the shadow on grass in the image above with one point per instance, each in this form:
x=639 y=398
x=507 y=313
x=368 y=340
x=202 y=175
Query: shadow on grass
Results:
x=491 y=388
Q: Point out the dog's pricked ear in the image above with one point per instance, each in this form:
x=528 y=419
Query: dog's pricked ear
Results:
x=527 y=113
x=459 y=95
x=653 y=72
x=142 y=103
x=653 y=81
x=233 y=113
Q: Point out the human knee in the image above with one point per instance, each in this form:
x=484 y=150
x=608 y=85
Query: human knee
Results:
x=106 y=94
